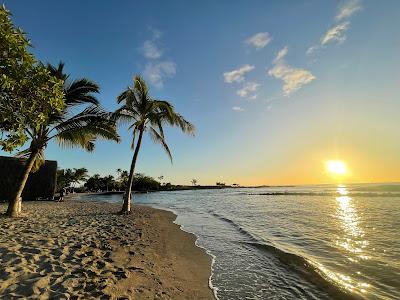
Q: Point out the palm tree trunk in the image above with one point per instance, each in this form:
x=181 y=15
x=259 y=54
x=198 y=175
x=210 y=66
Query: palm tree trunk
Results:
x=126 y=207
x=14 y=207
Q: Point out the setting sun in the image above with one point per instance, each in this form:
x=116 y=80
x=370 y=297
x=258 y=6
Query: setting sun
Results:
x=337 y=167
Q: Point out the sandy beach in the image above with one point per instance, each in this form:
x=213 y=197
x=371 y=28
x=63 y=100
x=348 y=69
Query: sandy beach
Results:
x=83 y=250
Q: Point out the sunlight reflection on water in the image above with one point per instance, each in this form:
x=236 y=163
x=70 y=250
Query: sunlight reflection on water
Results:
x=351 y=241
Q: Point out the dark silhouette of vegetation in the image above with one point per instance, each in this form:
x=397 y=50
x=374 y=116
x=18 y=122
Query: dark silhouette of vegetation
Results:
x=64 y=178
x=145 y=114
x=70 y=178
x=79 y=175
x=141 y=183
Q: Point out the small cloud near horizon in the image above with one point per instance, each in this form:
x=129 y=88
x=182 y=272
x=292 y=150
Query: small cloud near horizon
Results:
x=259 y=40
x=238 y=74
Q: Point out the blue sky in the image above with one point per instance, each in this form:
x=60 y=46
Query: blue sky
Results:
x=273 y=87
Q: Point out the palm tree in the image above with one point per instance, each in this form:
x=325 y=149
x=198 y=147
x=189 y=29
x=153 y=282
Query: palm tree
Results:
x=145 y=114
x=68 y=128
x=79 y=175
x=194 y=182
x=109 y=181
x=123 y=179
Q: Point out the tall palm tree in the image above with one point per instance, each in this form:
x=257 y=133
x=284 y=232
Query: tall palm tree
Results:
x=69 y=128
x=145 y=114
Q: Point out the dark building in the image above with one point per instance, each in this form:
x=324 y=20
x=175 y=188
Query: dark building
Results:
x=41 y=184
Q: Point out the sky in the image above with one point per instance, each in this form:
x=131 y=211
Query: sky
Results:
x=274 y=88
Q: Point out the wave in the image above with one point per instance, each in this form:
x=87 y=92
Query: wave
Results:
x=306 y=268
x=237 y=226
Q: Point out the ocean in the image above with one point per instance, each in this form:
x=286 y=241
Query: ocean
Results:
x=300 y=242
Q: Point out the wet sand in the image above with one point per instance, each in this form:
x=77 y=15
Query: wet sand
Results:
x=83 y=250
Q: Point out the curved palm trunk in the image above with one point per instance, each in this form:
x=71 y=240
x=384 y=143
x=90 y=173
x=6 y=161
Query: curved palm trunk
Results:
x=126 y=207
x=14 y=207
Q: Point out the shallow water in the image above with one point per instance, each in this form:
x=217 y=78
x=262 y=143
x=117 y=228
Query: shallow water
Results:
x=307 y=242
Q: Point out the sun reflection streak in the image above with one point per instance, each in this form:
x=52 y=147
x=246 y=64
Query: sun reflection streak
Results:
x=342 y=280
x=351 y=241
x=349 y=220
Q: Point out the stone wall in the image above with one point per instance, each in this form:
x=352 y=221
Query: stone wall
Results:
x=41 y=184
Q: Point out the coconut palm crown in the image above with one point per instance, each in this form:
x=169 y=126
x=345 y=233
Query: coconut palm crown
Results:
x=79 y=124
x=144 y=114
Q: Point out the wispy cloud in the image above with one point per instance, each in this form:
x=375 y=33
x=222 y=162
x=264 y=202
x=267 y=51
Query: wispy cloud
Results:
x=293 y=78
x=253 y=97
x=312 y=49
x=150 y=50
x=335 y=34
x=259 y=40
x=156 y=70
x=348 y=9
x=281 y=54
x=247 y=89
x=237 y=108
x=238 y=74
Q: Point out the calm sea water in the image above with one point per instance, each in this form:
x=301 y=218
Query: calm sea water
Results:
x=308 y=242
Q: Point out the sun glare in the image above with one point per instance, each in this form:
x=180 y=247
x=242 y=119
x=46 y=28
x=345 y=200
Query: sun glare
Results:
x=336 y=167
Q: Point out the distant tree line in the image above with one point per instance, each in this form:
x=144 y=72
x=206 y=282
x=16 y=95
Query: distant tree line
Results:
x=70 y=178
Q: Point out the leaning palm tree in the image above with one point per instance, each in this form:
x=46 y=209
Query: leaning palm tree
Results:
x=69 y=128
x=145 y=114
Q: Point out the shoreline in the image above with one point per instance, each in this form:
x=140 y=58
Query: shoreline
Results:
x=83 y=249
x=213 y=288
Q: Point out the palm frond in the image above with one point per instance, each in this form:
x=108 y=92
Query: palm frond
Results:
x=93 y=121
x=81 y=91
x=57 y=71
x=184 y=125
x=125 y=115
x=76 y=138
x=157 y=138
x=91 y=114
x=140 y=87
